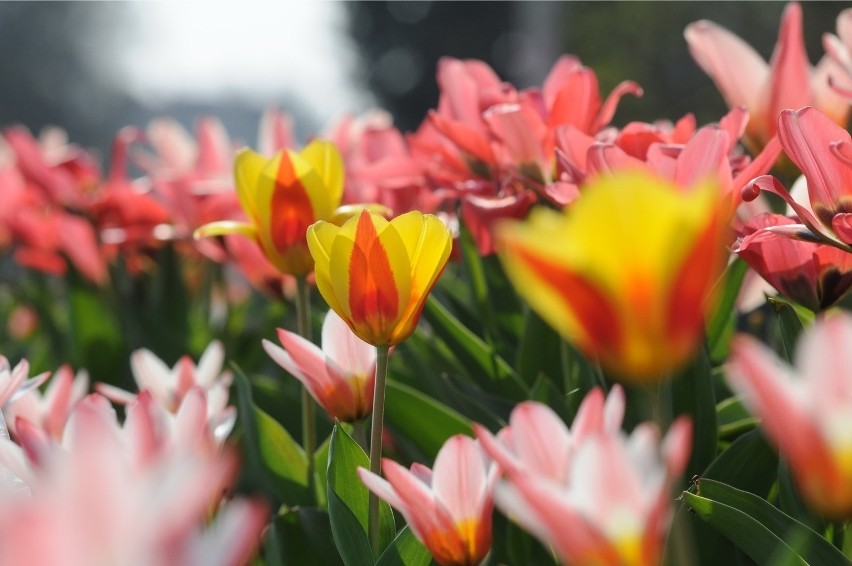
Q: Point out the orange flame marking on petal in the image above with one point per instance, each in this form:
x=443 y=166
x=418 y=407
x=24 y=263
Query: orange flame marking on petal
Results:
x=292 y=211
x=373 y=296
x=592 y=310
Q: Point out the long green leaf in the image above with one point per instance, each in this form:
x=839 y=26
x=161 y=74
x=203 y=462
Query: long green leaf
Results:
x=721 y=324
x=425 y=421
x=472 y=351
x=301 y=536
x=348 y=502
x=757 y=541
x=539 y=352
x=813 y=548
x=270 y=449
x=406 y=550
x=693 y=395
x=749 y=464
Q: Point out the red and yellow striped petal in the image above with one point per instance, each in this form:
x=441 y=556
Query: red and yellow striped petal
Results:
x=375 y=274
x=610 y=272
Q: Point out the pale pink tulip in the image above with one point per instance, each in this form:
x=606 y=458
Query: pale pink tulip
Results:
x=170 y=386
x=806 y=410
x=340 y=376
x=592 y=493
x=95 y=501
x=449 y=507
x=15 y=382
x=745 y=79
x=50 y=410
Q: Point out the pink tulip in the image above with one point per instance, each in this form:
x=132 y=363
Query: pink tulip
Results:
x=15 y=382
x=168 y=387
x=821 y=149
x=806 y=410
x=814 y=275
x=839 y=49
x=340 y=376
x=745 y=79
x=50 y=410
x=96 y=502
x=592 y=493
x=447 y=508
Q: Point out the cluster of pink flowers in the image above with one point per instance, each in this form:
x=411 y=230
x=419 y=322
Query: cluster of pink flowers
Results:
x=149 y=490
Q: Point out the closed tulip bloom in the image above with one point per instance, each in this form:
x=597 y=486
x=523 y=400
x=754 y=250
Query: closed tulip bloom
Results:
x=340 y=376
x=626 y=272
x=376 y=273
x=806 y=410
x=448 y=508
x=281 y=197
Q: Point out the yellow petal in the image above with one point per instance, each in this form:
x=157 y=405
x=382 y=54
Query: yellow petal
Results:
x=321 y=237
x=247 y=168
x=343 y=213
x=224 y=227
x=325 y=159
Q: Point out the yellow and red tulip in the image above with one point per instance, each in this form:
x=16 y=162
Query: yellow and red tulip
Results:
x=626 y=272
x=377 y=273
x=281 y=197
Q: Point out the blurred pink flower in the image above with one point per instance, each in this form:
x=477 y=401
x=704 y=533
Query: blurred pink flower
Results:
x=95 y=501
x=340 y=376
x=745 y=79
x=806 y=410
x=591 y=492
x=169 y=387
x=448 y=508
x=50 y=410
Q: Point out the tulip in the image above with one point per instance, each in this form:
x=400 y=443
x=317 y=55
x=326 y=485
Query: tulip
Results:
x=376 y=274
x=814 y=275
x=592 y=493
x=823 y=152
x=50 y=410
x=282 y=196
x=806 y=410
x=448 y=508
x=626 y=272
x=340 y=376
x=744 y=78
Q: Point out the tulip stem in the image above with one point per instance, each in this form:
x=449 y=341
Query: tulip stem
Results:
x=309 y=431
x=376 y=442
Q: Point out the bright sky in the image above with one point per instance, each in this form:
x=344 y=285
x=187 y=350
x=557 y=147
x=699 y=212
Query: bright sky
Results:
x=199 y=51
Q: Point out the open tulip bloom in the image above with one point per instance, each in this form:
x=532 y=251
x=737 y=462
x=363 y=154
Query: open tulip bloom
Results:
x=340 y=376
x=448 y=507
x=806 y=410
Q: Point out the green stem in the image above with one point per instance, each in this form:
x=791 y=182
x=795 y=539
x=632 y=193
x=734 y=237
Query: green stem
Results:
x=359 y=434
x=376 y=441
x=309 y=431
x=847 y=539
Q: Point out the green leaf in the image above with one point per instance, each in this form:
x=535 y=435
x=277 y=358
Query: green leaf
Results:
x=472 y=351
x=539 y=352
x=791 y=502
x=434 y=422
x=734 y=418
x=790 y=323
x=812 y=547
x=348 y=502
x=321 y=471
x=693 y=395
x=301 y=536
x=406 y=550
x=758 y=542
x=749 y=463
x=721 y=324
x=270 y=449
x=94 y=333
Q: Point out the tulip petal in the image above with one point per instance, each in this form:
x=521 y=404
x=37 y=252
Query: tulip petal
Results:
x=789 y=67
x=224 y=227
x=247 y=168
x=459 y=478
x=326 y=160
x=344 y=348
x=321 y=237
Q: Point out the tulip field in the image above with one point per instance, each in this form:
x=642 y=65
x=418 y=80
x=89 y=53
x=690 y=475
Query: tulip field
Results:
x=521 y=334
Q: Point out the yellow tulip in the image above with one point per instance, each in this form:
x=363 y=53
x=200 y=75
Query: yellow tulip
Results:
x=377 y=273
x=626 y=272
x=282 y=196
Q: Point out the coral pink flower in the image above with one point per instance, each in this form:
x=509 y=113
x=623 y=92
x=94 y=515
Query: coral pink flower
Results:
x=592 y=493
x=839 y=49
x=448 y=508
x=823 y=151
x=744 y=78
x=15 y=382
x=814 y=275
x=340 y=376
x=806 y=410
